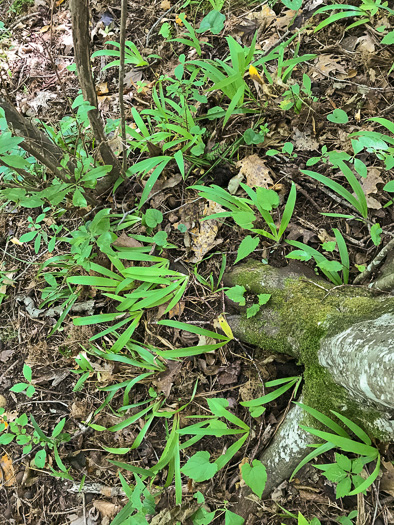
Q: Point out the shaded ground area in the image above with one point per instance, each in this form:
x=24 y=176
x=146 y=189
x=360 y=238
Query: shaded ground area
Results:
x=350 y=71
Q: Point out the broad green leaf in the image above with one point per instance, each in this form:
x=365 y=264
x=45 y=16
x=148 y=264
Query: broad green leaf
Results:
x=255 y=476
x=247 y=246
x=338 y=116
x=253 y=310
x=376 y=230
x=199 y=467
x=78 y=199
x=236 y=294
x=264 y=298
x=389 y=186
x=40 y=458
x=213 y=21
x=230 y=518
x=5 y=439
x=29 y=236
x=27 y=372
x=343 y=488
x=19 y=387
x=343 y=461
x=330 y=266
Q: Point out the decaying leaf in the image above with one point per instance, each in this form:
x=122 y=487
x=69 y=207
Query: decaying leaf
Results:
x=165 y=5
x=255 y=171
x=387 y=481
x=166 y=379
x=204 y=235
x=303 y=141
x=7 y=474
x=106 y=508
x=369 y=185
x=124 y=241
x=326 y=64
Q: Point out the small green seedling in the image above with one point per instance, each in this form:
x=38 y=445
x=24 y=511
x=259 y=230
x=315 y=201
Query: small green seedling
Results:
x=27 y=388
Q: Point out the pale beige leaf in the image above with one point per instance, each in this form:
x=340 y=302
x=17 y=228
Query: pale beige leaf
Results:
x=204 y=235
x=106 y=508
x=255 y=171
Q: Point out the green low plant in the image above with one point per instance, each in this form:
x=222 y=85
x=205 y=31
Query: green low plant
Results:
x=329 y=268
x=256 y=407
x=285 y=67
x=132 y=55
x=39 y=234
x=287 y=149
x=236 y=294
x=227 y=77
x=357 y=201
x=141 y=503
x=189 y=38
x=344 y=471
x=255 y=135
x=365 y=12
x=209 y=282
x=298 y=95
x=265 y=200
x=27 y=388
x=19 y=431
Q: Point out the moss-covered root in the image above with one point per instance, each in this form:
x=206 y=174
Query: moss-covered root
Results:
x=344 y=337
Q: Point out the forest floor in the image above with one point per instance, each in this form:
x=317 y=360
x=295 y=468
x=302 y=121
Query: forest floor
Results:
x=351 y=72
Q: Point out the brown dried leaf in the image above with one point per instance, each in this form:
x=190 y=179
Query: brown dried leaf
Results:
x=166 y=379
x=370 y=182
x=387 y=481
x=106 y=508
x=304 y=141
x=366 y=45
x=255 y=171
x=204 y=236
x=326 y=64
x=124 y=241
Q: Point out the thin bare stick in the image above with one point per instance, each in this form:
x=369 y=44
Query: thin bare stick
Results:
x=123 y=18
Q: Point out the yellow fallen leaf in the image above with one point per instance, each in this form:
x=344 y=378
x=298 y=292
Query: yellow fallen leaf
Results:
x=254 y=75
x=225 y=326
x=14 y=240
x=179 y=21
